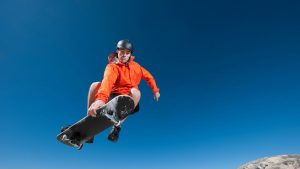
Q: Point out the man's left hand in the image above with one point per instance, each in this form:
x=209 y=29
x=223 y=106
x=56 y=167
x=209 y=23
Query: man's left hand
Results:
x=156 y=96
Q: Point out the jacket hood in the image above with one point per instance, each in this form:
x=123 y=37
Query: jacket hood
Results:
x=112 y=58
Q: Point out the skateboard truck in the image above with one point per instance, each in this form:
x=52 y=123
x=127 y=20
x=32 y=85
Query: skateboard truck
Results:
x=72 y=142
x=112 y=118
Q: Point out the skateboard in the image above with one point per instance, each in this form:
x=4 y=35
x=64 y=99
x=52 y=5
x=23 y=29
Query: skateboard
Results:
x=108 y=115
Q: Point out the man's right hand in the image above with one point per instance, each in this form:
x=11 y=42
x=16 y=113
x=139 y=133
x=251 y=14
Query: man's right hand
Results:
x=96 y=105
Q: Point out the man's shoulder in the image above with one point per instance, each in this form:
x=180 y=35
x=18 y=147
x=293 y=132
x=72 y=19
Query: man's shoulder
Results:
x=134 y=63
x=112 y=66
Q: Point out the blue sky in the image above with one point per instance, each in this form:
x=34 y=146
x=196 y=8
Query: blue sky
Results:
x=228 y=74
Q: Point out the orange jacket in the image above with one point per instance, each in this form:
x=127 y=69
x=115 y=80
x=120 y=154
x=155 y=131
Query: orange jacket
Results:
x=119 y=78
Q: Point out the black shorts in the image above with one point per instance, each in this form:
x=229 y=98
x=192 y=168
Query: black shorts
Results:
x=136 y=109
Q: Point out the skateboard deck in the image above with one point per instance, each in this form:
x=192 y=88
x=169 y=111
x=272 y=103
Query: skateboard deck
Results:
x=108 y=115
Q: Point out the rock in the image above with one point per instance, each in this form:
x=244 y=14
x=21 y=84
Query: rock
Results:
x=275 y=162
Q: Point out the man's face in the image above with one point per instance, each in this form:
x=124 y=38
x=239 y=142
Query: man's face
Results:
x=123 y=55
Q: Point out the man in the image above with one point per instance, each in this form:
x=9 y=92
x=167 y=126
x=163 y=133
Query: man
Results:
x=121 y=77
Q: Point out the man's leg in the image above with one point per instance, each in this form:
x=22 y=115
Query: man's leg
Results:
x=91 y=98
x=136 y=95
x=92 y=92
x=114 y=133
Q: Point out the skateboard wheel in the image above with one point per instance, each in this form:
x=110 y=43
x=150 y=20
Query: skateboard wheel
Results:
x=65 y=137
x=80 y=147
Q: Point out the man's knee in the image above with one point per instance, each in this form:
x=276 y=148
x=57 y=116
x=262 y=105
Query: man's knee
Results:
x=135 y=92
x=95 y=85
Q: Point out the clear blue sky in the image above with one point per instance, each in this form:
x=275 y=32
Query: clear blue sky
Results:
x=228 y=74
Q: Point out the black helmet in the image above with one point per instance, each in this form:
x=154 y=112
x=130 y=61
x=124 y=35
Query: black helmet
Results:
x=125 y=44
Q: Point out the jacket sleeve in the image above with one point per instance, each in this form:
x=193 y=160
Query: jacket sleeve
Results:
x=109 y=78
x=150 y=80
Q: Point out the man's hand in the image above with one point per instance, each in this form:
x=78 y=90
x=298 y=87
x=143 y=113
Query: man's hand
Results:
x=96 y=105
x=156 y=96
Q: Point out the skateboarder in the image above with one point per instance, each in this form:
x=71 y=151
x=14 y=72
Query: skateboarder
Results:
x=122 y=76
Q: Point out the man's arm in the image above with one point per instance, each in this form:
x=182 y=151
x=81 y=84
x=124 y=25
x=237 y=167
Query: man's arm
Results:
x=102 y=96
x=109 y=78
x=146 y=75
